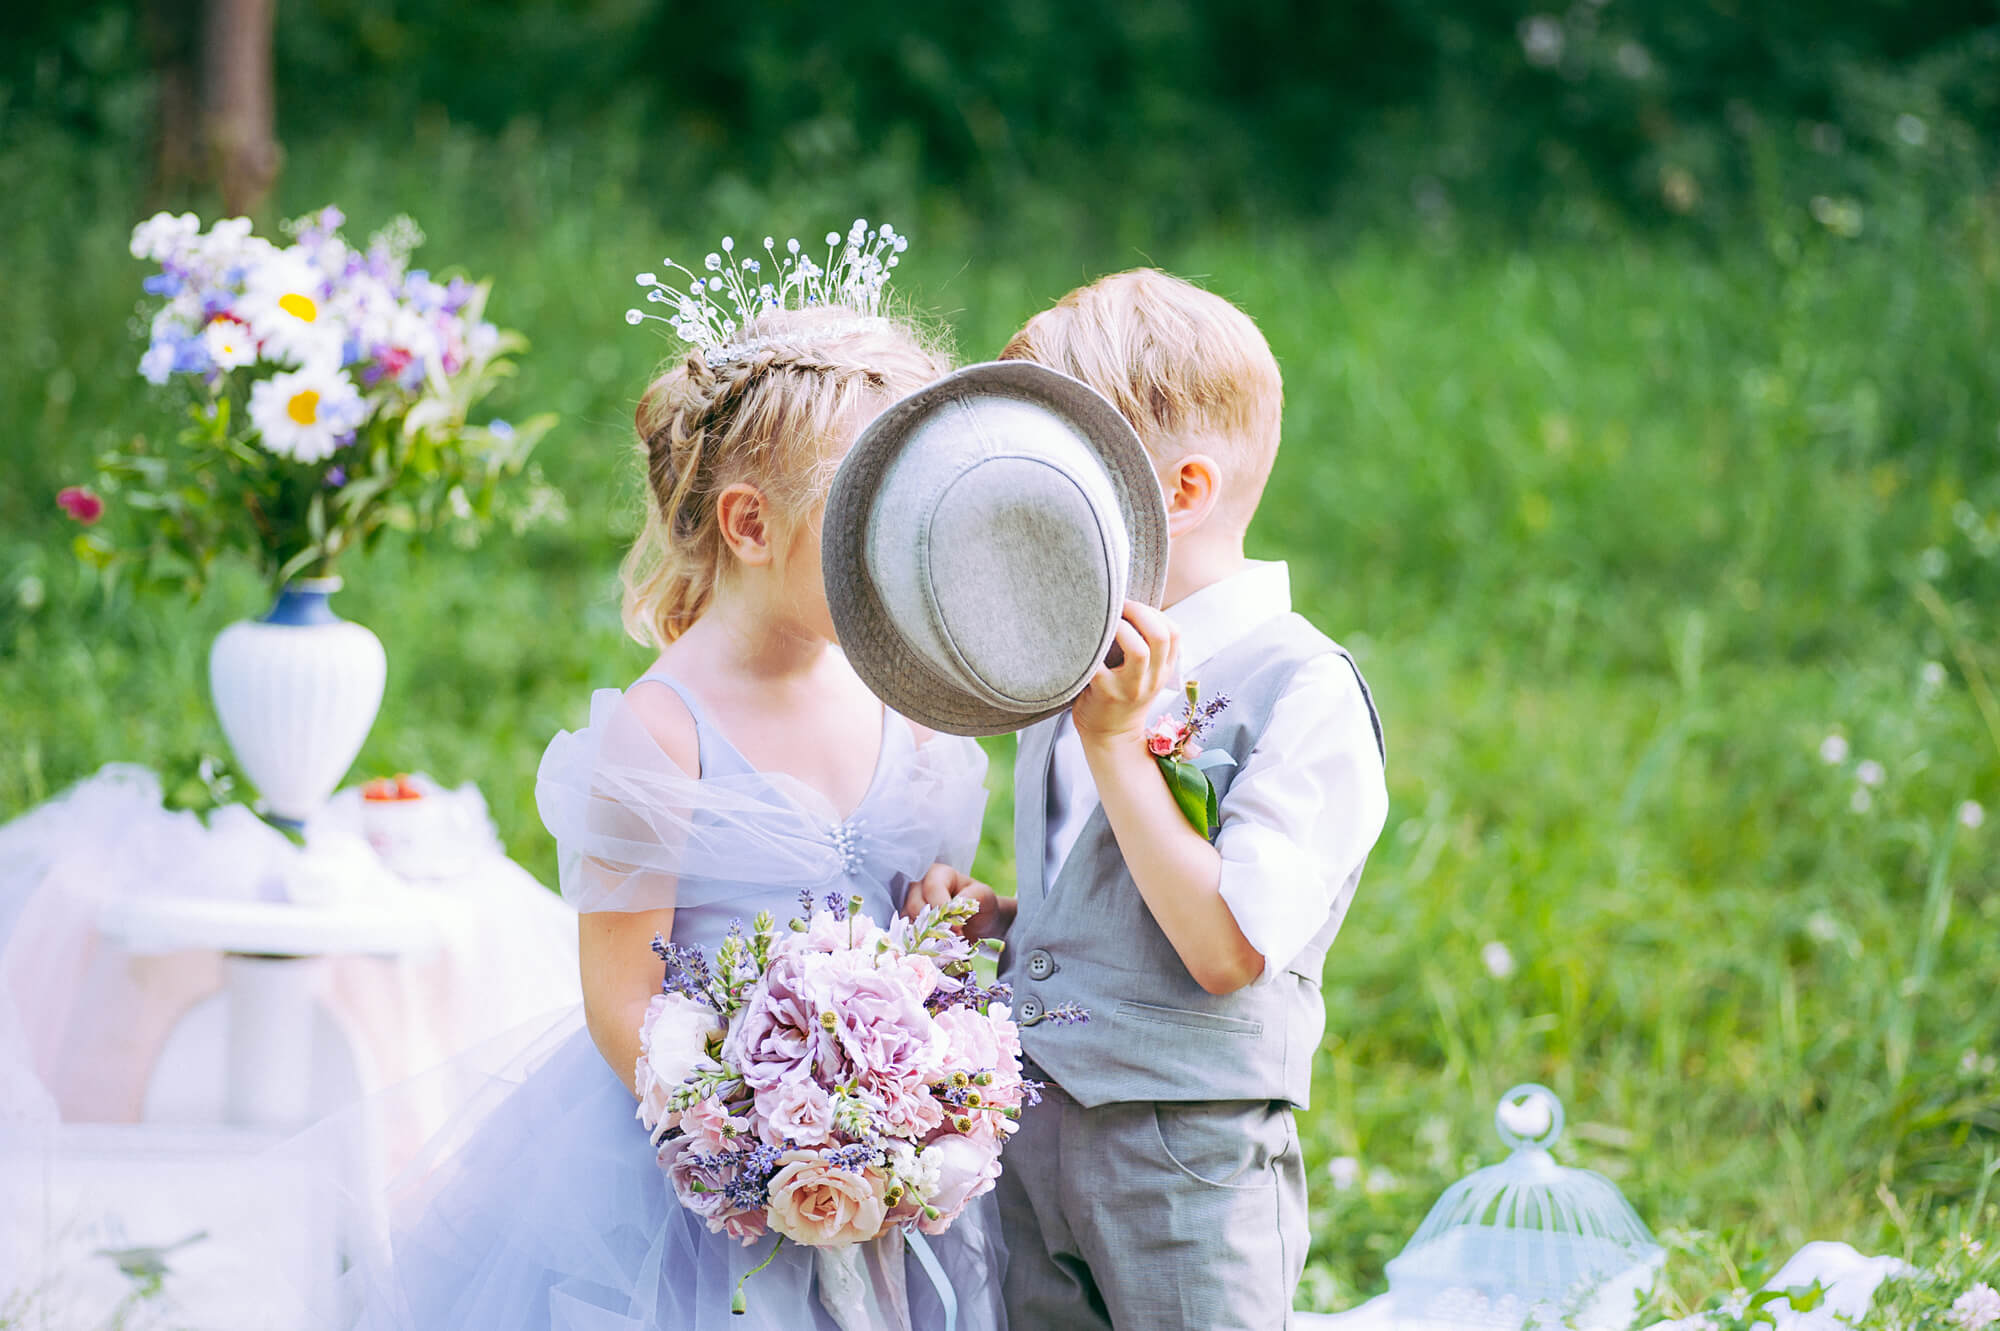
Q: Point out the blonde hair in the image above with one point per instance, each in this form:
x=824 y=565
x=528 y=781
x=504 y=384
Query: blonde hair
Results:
x=772 y=417
x=1187 y=368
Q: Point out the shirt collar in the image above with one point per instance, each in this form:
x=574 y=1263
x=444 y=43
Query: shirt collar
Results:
x=1224 y=613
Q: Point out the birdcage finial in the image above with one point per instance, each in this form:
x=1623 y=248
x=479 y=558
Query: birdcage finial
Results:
x=1529 y=1115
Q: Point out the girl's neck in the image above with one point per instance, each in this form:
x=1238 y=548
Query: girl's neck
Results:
x=741 y=638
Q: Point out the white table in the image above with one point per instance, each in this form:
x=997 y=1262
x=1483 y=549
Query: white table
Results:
x=272 y=957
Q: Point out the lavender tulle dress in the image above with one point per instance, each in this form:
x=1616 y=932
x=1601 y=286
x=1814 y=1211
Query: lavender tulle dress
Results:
x=545 y=1209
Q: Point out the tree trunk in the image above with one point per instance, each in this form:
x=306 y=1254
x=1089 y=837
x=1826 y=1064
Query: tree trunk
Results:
x=172 y=31
x=242 y=131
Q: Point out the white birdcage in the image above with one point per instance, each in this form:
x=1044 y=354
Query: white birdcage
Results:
x=1526 y=1241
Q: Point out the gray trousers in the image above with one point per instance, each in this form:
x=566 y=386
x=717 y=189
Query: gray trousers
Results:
x=1153 y=1216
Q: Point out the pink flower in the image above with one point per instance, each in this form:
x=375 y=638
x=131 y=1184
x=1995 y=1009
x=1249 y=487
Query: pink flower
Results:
x=699 y=1181
x=81 y=504
x=710 y=1126
x=746 y=1227
x=887 y=1042
x=967 y=1167
x=795 y=1113
x=777 y=1036
x=825 y=1206
x=1165 y=736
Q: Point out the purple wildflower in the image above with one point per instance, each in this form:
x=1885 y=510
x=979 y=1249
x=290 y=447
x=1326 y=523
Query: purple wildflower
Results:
x=336 y=477
x=1200 y=718
x=687 y=970
x=1066 y=1014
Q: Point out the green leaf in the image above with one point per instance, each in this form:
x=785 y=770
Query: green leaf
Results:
x=1191 y=790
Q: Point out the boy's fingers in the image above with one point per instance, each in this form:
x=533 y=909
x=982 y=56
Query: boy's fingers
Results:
x=1137 y=655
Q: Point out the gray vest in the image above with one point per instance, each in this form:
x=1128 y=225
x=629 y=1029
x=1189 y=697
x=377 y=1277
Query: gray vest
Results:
x=1153 y=1033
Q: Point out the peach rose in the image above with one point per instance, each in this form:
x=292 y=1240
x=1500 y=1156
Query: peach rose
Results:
x=825 y=1206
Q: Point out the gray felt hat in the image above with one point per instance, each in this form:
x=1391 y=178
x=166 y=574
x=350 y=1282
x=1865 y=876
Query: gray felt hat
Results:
x=981 y=540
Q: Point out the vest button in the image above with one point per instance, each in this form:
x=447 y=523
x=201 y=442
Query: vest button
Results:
x=1040 y=965
x=1031 y=1010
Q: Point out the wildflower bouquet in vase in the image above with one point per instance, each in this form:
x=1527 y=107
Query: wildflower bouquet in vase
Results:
x=835 y=1082
x=328 y=393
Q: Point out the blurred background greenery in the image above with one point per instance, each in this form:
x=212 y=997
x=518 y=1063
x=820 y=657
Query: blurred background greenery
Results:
x=1643 y=434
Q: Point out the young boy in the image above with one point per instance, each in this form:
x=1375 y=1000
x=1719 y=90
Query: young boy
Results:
x=1159 y=1183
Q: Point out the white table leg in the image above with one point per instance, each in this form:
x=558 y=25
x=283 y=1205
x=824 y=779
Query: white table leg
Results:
x=271 y=1005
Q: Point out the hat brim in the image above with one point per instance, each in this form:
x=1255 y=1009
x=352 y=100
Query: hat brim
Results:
x=879 y=652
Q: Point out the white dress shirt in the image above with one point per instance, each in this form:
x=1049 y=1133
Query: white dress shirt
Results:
x=1306 y=806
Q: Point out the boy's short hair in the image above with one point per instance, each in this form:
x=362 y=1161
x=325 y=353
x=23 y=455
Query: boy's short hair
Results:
x=1187 y=368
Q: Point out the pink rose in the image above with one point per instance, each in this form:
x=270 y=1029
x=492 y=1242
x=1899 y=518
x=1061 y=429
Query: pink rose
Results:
x=711 y=1127
x=1165 y=736
x=967 y=1167
x=795 y=1113
x=825 y=1206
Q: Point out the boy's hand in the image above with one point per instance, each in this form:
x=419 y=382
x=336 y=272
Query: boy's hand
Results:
x=1115 y=705
x=944 y=884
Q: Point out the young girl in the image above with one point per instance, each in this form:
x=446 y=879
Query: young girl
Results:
x=748 y=763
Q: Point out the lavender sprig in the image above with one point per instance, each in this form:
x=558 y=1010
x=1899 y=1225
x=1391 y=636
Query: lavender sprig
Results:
x=687 y=972
x=1201 y=717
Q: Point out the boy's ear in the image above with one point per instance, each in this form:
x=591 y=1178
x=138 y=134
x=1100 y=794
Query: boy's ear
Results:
x=739 y=511
x=1192 y=485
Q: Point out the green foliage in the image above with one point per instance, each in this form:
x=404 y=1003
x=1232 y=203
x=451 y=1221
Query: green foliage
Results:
x=1167 y=113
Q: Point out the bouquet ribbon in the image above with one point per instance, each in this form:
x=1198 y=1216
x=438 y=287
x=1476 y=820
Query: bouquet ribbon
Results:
x=935 y=1270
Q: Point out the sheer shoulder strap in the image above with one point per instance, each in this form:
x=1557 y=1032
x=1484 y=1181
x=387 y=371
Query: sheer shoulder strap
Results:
x=635 y=831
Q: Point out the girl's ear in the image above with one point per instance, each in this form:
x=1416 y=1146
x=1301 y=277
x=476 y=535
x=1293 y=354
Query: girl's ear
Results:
x=746 y=528
x=1192 y=486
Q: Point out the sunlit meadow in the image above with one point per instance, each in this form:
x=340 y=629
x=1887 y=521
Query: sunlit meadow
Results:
x=1673 y=566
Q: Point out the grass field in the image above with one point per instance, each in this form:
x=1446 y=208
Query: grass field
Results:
x=1621 y=531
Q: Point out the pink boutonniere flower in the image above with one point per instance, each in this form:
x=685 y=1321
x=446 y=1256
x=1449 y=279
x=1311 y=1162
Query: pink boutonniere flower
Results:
x=1174 y=742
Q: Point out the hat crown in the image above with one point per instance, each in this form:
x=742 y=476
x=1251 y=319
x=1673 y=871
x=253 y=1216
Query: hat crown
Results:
x=981 y=540
x=997 y=515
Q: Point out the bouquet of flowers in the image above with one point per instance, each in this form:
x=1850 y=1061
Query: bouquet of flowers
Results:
x=331 y=386
x=834 y=1081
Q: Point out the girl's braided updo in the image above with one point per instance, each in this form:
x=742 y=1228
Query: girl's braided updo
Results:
x=771 y=417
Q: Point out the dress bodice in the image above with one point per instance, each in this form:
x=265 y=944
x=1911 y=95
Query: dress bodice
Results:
x=636 y=832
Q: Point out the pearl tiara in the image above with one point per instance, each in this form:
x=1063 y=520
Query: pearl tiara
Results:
x=708 y=311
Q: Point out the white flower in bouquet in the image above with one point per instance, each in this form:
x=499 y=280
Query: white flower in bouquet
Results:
x=229 y=344
x=673 y=1046
x=306 y=414
x=284 y=302
x=163 y=235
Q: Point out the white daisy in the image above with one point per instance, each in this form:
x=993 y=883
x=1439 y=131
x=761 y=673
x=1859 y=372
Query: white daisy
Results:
x=305 y=414
x=285 y=303
x=229 y=344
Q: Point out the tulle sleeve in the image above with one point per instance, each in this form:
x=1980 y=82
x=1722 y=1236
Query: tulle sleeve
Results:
x=949 y=786
x=634 y=831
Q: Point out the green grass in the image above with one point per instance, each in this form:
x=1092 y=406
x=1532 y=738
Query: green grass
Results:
x=1620 y=532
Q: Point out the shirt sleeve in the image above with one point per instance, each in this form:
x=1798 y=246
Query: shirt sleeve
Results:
x=1302 y=813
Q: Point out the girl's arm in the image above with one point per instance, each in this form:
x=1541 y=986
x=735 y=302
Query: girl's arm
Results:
x=1176 y=869
x=621 y=972
x=620 y=976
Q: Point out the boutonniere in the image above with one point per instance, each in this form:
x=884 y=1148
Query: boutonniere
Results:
x=1175 y=743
